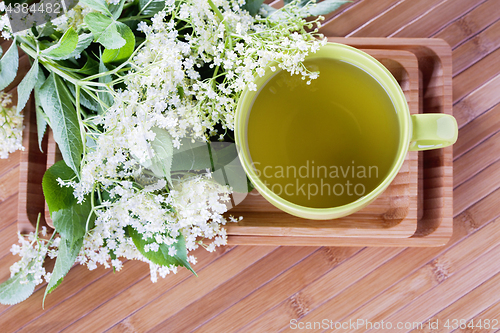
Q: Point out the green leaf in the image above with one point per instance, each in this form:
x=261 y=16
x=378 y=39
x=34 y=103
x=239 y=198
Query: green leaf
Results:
x=105 y=97
x=161 y=256
x=64 y=47
x=228 y=168
x=85 y=99
x=91 y=67
x=71 y=222
x=324 y=7
x=191 y=156
x=66 y=257
x=84 y=41
x=267 y=11
x=225 y=153
x=26 y=86
x=47 y=30
x=41 y=122
x=13 y=291
x=99 y=5
x=151 y=7
x=105 y=30
x=116 y=10
x=58 y=197
x=253 y=6
x=301 y=3
x=160 y=160
x=57 y=104
x=123 y=53
x=8 y=66
x=41 y=125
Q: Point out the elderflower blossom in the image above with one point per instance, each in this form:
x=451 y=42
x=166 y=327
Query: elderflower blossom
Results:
x=11 y=127
x=198 y=201
x=33 y=251
x=168 y=90
x=4 y=22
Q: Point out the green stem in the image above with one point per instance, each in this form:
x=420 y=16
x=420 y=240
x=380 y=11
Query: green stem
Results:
x=214 y=77
x=134 y=18
x=52 y=67
x=221 y=18
x=79 y=115
x=117 y=69
x=91 y=211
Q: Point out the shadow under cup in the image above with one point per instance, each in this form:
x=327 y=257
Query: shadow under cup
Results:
x=325 y=149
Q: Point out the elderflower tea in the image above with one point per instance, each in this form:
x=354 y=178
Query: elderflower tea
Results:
x=326 y=142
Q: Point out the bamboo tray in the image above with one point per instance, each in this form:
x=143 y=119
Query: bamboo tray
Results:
x=393 y=214
x=435 y=173
x=435 y=185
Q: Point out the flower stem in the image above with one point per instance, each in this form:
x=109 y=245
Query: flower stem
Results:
x=221 y=18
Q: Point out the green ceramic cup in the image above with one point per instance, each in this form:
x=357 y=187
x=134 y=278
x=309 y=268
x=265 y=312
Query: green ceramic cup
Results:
x=417 y=132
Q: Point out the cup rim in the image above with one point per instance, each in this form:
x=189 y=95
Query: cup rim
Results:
x=382 y=75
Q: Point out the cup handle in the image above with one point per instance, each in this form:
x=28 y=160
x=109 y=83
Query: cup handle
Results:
x=433 y=130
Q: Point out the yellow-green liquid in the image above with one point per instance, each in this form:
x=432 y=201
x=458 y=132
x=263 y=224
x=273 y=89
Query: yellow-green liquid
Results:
x=325 y=144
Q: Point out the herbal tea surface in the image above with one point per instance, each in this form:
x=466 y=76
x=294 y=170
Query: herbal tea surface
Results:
x=323 y=144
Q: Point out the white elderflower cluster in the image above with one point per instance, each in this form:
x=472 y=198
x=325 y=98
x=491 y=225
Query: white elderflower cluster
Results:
x=73 y=18
x=33 y=251
x=4 y=23
x=11 y=127
x=194 y=209
x=174 y=90
x=200 y=203
x=184 y=80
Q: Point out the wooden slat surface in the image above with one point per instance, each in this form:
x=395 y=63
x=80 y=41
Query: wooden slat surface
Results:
x=260 y=289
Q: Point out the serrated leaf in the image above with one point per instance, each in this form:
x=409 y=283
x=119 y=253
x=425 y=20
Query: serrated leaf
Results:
x=123 y=53
x=84 y=41
x=47 y=30
x=26 y=86
x=105 y=97
x=105 y=30
x=228 y=168
x=116 y=10
x=301 y=3
x=191 y=156
x=57 y=104
x=41 y=123
x=99 y=5
x=58 y=197
x=324 y=7
x=161 y=256
x=66 y=257
x=160 y=160
x=85 y=99
x=71 y=222
x=8 y=66
x=253 y=6
x=151 y=7
x=64 y=47
x=225 y=152
x=13 y=291
x=272 y=13
x=91 y=67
